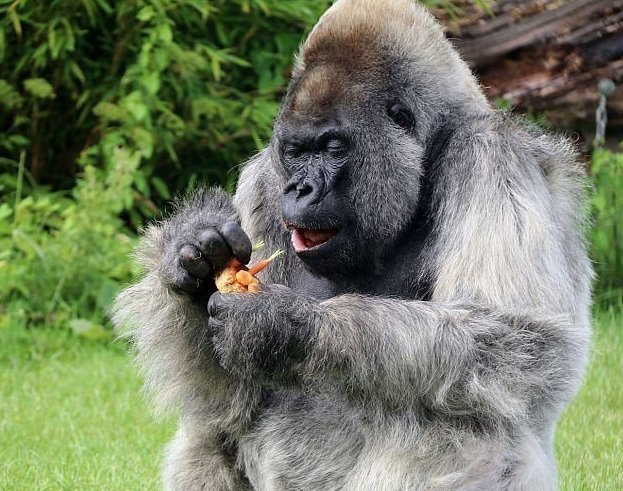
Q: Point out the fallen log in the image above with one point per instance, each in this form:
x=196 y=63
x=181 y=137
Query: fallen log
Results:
x=545 y=55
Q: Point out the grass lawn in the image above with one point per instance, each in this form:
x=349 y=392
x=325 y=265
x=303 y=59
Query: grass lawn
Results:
x=72 y=417
x=589 y=438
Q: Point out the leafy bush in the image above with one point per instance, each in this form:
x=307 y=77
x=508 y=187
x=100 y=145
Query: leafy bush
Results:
x=607 y=210
x=115 y=106
x=191 y=84
x=63 y=255
x=107 y=109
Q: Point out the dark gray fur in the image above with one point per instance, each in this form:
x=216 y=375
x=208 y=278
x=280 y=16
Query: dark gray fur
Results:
x=445 y=360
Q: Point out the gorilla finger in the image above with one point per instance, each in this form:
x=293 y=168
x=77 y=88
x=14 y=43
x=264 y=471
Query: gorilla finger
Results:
x=188 y=284
x=238 y=241
x=213 y=247
x=216 y=304
x=192 y=261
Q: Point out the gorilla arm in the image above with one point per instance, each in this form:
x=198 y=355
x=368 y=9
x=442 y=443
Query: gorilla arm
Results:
x=164 y=320
x=453 y=358
x=164 y=316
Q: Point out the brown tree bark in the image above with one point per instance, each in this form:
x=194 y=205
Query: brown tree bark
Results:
x=546 y=55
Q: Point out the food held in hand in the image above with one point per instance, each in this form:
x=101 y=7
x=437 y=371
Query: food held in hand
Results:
x=237 y=278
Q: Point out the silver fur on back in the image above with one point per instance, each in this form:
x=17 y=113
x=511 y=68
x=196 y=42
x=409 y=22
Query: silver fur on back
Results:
x=458 y=388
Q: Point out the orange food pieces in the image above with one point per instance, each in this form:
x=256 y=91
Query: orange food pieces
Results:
x=235 y=278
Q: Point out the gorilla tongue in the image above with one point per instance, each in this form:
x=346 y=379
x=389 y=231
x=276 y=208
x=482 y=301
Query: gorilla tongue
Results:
x=303 y=238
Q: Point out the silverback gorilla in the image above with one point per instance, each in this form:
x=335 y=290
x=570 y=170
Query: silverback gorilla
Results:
x=430 y=319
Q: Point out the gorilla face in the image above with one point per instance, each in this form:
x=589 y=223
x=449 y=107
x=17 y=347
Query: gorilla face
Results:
x=351 y=156
x=367 y=110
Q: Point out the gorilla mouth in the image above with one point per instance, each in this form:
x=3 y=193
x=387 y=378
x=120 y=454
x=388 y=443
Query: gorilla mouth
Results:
x=304 y=239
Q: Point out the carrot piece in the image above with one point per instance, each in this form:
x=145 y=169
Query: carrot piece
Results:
x=236 y=278
x=245 y=278
x=260 y=265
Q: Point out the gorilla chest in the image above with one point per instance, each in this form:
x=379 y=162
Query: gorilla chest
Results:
x=395 y=280
x=304 y=442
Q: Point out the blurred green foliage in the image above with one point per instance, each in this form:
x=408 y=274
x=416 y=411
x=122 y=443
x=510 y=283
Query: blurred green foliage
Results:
x=607 y=213
x=109 y=108
x=63 y=254
x=189 y=85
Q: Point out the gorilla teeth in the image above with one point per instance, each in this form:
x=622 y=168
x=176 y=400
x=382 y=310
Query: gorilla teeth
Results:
x=318 y=236
x=303 y=238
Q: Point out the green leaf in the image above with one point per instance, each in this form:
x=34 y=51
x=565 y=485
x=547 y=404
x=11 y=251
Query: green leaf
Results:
x=109 y=111
x=77 y=71
x=144 y=141
x=161 y=187
x=134 y=104
x=2 y=43
x=146 y=13
x=17 y=26
x=104 y=5
x=161 y=58
x=5 y=211
x=151 y=82
x=19 y=140
x=216 y=68
x=141 y=184
x=9 y=97
x=165 y=33
x=69 y=33
x=51 y=38
x=40 y=88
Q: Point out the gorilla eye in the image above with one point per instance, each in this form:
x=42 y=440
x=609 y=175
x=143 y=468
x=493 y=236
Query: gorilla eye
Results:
x=292 y=150
x=400 y=115
x=335 y=146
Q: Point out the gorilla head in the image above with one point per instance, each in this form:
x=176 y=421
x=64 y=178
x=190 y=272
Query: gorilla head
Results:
x=363 y=112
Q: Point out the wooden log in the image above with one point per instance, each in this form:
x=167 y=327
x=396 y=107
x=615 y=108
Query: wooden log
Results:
x=545 y=55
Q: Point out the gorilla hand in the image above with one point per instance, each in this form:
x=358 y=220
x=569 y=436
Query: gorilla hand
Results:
x=203 y=252
x=190 y=247
x=262 y=333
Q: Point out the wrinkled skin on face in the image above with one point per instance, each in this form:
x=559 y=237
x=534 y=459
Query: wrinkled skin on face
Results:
x=347 y=158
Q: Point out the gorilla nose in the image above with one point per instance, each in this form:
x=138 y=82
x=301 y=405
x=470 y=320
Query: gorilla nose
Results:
x=303 y=190
x=301 y=199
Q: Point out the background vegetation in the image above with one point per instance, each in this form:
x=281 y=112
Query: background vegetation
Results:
x=107 y=110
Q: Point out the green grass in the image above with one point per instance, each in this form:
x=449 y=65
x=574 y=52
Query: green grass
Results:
x=72 y=416
x=589 y=438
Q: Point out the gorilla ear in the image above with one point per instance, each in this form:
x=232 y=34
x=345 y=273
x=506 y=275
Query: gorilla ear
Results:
x=401 y=115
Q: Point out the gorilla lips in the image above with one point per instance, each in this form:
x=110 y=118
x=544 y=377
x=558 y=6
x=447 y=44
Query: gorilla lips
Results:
x=305 y=238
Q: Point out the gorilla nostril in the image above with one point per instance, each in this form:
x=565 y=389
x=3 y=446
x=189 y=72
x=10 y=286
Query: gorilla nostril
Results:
x=303 y=190
x=289 y=188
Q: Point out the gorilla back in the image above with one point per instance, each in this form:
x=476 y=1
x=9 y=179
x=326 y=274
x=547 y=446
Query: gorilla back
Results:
x=431 y=318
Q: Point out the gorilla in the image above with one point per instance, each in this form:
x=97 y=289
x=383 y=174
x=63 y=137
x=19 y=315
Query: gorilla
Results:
x=430 y=318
